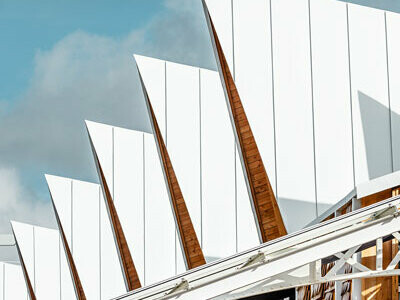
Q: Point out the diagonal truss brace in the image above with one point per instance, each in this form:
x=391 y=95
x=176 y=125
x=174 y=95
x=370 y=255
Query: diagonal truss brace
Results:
x=353 y=263
x=291 y=261
x=300 y=276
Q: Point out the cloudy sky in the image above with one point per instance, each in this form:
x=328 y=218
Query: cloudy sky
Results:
x=64 y=61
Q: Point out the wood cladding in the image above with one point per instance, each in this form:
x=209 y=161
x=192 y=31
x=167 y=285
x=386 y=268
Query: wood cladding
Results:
x=191 y=247
x=320 y=291
x=323 y=291
x=395 y=279
x=326 y=290
x=374 y=198
x=380 y=287
x=377 y=287
x=346 y=285
x=395 y=249
x=70 y=260
x=80 y=294
x=28 y=282
x=128 y=267
x=372 y=288
x=303 y=292
x=267 y=211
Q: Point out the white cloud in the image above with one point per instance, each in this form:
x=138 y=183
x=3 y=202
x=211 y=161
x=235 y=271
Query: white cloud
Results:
x=18 y=203
x=86 y=76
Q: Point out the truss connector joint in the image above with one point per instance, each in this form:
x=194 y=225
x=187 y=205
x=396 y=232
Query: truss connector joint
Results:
x=255 y=259
x=179 y=287
x=389 y=211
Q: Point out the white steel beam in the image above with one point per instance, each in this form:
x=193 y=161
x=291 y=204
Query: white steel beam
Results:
x=287 y=262
x=379 y=254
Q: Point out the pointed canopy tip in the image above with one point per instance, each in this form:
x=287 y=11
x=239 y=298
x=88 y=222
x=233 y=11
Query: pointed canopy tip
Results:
x=15 y=223
x=92 y=128
x=18 y=227
x=139 y=59
x=50 y=177
x=89 y=127
x=88 y=124
x=14 y=227
x=205 y=8
x=143 y=60
x=52 y=182
x=92 y=125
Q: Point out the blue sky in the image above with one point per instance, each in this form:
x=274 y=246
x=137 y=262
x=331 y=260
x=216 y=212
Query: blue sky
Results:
x=27 y=26
x=392 y=5
x=64 y=61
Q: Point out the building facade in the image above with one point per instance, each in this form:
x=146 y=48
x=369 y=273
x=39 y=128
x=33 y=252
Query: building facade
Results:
x=316 y=84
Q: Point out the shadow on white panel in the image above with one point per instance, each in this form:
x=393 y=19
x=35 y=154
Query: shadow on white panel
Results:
x=393 y=33
x=369 y=81
x=375 y=131
x=332 y=102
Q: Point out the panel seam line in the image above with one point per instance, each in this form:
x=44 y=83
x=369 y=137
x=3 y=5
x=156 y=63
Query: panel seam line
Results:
x=351 y=95
x=34 y=258
x=273 y=100
x=388 y=92
x=312 y=108
x=59 y=262
x=234 y=144
x=100 y=252
x=144 y=210
x=201 y=164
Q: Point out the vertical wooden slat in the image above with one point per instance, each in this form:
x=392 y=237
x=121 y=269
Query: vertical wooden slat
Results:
x=395 y=279
x=303 y=292
x=80 y=294
x=346 y=285
x=131 y=277
x=379 y=287
x=395 y=249
x=266 y=209
x=28 y=282
x=191 y=247
x=326 y=291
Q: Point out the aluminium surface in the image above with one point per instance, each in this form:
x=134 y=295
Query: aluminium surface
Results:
x=362 y=190
x=281 y=255
x=7 y=240
x=378 y=184
x=333 y=208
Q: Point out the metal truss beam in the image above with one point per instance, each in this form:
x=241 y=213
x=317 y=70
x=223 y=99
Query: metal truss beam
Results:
x=289 y=261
